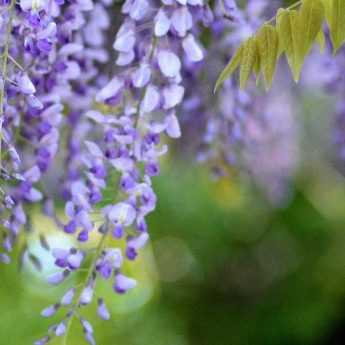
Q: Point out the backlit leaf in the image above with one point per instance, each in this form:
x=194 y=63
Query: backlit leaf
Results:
x=335 y=14
x=268 y=45
x=321 y=40
x=230 y=68
x=288 y=28
x=312 y=14
x=249 y=55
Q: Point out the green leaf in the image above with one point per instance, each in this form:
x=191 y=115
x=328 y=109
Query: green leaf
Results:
x=335 y=14
x=312 y=14
x=268 y=45
x=289 y=32
x=249 y=56
x=257 y=68
x=230 y=68
x=321 y=40
x=295 y=33
x=281 y=12
x=328 y=4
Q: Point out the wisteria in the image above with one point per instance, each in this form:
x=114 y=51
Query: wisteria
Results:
x=325 y=71
x=91 y=94
x=239 y=128
x=334 y=83
x=139 y=103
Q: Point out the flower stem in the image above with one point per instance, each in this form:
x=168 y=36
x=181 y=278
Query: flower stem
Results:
x=91 y=269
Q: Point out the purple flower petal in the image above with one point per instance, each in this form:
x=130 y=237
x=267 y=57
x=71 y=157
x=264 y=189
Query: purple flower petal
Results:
x=169 y=63
x=59 y=277
x=75 y=260
x=86 y=295
x=102 y=310
x=192 y=48
x=173 y=126
x=60 y=329
x=67 y=298
x=162 y=23
x=25 y=85
x=173 y=95
x=125 y=38
x=50 y=311
x=182 y=21
x=86 y=326
x=141 y=76
x=151 y=99
x=123 y=283
x=112 y=89
x=121 y=213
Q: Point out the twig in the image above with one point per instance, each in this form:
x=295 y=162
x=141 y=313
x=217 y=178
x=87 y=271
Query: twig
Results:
x=296 y=4
x=99 y=248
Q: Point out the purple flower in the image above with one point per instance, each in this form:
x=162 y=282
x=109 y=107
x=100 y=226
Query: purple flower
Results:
x=102 y=310
x=50 y=311
x=134 y=244
x=162 y=23
x=60 y=329
x=25 y=85
x=111 y=91
x=67 y=298
x=121 y=213
x=169 y=63
x=110 y=261
x=86 y=295
x=42 y=341
x=192 y=48
x=123 y=283
x=58 y=277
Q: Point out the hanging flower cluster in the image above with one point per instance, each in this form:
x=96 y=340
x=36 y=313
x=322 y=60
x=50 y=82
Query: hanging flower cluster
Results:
x=326 y=73
x=334 y=83
x=44 y=71
x=240 y=127
x=132 y=111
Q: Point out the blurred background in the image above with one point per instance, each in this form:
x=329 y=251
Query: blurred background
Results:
x=225 y=265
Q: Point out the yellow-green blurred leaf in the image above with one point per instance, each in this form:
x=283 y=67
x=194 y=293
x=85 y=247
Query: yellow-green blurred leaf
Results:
x=312 y=14
x=249 y=55
x=257 y=68
x=328 y=8
x=321 y=40
x=230 y=68
x=290 y=32
x=335 y=15
x=281 y=48
x=268 y=45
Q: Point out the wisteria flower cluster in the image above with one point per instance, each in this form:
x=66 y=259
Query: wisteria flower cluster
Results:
x=90 y=96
